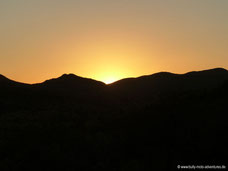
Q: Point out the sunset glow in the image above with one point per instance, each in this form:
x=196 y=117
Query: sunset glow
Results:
x=110 y=40
x=109 y=80
x=114 y=85
x=110 y=75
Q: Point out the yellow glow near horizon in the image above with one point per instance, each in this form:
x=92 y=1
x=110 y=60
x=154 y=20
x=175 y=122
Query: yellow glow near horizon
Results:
x=105 y=57
x=110 y=40
x=109 y=80
x=110 y=76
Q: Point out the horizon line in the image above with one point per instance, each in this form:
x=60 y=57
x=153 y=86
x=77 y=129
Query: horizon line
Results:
x=67 y=74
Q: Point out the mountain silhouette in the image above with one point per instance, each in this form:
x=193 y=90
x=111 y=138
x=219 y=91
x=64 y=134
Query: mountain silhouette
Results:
x=153 y=122
x=165 y=83
x=72 y=84
x=72 y=81
x=195 y=79
x=5 y=81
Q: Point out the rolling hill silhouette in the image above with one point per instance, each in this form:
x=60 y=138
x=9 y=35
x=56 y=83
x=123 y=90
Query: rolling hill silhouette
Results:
x=4 y=81
x=73 y=81
x=206 y=78
x=165 y=80
x=153 y=122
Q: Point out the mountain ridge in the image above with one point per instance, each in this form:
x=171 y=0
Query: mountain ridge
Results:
x=149 y=123
x=220 y=70
x=71 y=76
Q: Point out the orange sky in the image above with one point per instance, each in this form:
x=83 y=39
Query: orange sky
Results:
x=110 y=40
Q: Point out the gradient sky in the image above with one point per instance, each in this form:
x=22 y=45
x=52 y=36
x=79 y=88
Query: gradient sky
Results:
x=110 y=39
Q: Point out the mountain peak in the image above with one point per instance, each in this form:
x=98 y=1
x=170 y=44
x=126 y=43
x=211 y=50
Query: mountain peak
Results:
x=214 y=71
x=71 y=80
x=219 y=69
x=68 y=76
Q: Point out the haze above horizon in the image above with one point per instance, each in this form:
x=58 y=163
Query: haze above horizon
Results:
x=110 y=40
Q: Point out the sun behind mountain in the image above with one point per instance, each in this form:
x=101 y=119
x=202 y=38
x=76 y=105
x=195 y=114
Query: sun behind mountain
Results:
x=110 y=80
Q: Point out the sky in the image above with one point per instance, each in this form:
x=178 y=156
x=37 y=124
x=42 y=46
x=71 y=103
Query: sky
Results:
x=109 y=40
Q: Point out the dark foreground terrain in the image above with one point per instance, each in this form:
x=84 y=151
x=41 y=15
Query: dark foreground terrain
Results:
x=148 y=123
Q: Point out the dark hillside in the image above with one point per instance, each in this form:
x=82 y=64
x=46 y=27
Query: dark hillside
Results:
x=153 y=122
